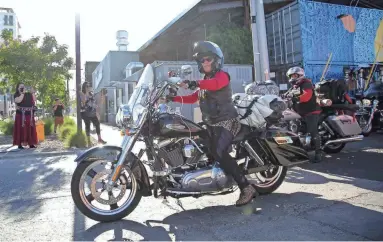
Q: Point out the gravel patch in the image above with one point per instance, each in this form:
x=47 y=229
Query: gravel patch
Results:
x=5 y=139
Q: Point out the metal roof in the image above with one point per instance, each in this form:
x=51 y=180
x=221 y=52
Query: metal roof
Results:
x=178 y=17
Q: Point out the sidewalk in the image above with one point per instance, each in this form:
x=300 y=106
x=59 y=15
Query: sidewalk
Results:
x=109 y=133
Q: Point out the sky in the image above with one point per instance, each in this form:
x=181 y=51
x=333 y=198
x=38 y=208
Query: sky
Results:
x=100 y=21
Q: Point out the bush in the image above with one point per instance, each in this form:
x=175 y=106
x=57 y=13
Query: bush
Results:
x=69 y=120
x=6 y=126
x=76 y=140
x=66 y=130
x=48 y=125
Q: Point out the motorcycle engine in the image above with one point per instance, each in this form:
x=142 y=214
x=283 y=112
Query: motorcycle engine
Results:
x=192 y=170
x=179 y=154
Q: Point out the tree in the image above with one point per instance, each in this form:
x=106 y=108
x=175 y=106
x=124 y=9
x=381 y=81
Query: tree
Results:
x=39 y=62
x=235 y=42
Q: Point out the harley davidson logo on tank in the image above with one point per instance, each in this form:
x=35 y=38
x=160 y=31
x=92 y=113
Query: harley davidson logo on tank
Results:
x=180 y=127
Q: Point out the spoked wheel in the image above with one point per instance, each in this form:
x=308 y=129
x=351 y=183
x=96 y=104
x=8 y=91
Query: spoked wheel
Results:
x=268 y=181
x=95 y=199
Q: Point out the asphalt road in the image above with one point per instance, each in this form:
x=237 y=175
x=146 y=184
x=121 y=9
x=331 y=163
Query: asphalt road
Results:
x=338 y=199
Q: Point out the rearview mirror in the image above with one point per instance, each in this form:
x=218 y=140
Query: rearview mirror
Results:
x=186 y=69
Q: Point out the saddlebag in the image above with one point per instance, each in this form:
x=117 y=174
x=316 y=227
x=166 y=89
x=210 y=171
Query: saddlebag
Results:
x=344 y=125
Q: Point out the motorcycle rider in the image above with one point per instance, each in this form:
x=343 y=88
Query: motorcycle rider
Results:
x=218 y=111
x=305 y=103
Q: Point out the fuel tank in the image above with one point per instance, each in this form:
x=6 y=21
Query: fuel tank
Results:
x=284 y=146
x=375 y=90
x=289 y=115
x=174 y=125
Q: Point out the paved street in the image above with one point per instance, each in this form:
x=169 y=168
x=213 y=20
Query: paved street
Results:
x=339 y=199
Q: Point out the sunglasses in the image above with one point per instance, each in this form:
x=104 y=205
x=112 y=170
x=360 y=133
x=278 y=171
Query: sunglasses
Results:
x=208 y=59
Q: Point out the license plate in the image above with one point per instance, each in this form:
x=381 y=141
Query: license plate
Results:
x=283 y=140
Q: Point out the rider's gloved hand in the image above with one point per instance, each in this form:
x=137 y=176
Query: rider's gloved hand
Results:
x=289 y=95
x=191 y=84
x=169 y=98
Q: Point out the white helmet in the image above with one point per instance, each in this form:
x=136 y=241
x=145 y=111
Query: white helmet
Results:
x=295 y=70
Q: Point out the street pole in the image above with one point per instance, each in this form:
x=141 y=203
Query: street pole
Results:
x=257 y=63
x=262 y=38
x=78 y=74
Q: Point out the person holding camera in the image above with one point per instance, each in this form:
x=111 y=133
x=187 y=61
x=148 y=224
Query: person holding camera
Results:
x=89 y=112
x=58 y=113
x=24 y=130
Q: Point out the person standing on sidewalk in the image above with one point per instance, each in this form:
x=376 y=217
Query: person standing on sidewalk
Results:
x=89 y=111
x=24 y=129
x=58 y=113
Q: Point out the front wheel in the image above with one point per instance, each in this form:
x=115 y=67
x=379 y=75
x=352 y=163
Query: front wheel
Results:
x=363 y=122
x=267 y=182
x=91 y=197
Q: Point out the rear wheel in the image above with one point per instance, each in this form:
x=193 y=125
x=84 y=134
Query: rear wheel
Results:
x=268 y=181
x=334 y=148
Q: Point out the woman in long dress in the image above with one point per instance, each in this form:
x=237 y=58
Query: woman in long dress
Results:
x=24 y=130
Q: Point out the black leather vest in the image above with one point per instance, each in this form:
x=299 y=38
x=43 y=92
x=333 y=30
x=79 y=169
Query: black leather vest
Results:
x=217 y=106
x=305 y=107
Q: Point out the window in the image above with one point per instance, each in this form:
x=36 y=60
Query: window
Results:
x=10 y=20
x=5 y=19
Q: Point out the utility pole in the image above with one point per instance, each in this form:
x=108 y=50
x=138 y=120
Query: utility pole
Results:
x=258 y=29
x=262 y=38
x=78 y=74
x=256 y=54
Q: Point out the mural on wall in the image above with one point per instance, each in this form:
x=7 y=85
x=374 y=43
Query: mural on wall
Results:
x=378 y=43
x=350 y=33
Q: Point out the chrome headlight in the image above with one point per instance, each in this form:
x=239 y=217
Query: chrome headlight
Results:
x=124 y=117
x=359 y=103
x=376 y=102
x=366 y=102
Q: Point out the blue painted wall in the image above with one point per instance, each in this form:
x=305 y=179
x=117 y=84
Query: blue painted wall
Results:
x=322 y=33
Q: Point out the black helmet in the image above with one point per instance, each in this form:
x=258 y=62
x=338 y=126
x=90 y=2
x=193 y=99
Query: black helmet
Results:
x=207 y=48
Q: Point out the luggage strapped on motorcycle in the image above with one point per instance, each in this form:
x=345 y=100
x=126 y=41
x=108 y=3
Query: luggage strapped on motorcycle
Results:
x=332 y=89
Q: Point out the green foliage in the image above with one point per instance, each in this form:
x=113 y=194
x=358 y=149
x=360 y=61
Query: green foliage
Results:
x=38 y=62
x=66 y=130
x=75 y=139
x=6 y=127
x=235 y=42
x=69 y=120
x=48 y=125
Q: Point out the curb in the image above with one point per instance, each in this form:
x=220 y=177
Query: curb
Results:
x=10 y=155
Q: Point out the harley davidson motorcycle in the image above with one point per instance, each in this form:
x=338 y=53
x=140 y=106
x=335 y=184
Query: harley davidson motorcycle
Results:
x=109 y=181
x=334 y=129
x=370 y=113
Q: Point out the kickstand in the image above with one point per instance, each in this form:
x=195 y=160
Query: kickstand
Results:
x=179 y=203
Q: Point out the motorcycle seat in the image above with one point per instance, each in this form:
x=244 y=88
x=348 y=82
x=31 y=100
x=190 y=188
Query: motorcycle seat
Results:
x=242 y=134
x=349 y=107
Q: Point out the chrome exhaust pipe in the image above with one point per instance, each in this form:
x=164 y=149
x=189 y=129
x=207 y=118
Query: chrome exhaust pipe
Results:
x=344 y=140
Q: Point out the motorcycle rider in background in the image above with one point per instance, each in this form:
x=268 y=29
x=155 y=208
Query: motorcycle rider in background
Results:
x=218 y=111
x=305 y=104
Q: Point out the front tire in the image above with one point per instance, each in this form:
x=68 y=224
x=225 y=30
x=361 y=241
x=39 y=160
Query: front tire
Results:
x=269 y=180
x=84 y=202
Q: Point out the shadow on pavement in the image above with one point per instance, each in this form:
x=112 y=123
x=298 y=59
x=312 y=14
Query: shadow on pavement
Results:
x=23 y=180
x=365 y=164
x=297 y=216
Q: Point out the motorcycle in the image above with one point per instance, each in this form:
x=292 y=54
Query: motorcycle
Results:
x=335 y=129
x=370 y=113
x=109 y=181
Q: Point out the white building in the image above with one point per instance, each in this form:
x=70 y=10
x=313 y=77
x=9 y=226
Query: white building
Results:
x=9 y=21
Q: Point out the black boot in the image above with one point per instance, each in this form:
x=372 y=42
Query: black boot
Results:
x=318 y=152
x=247 y=194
